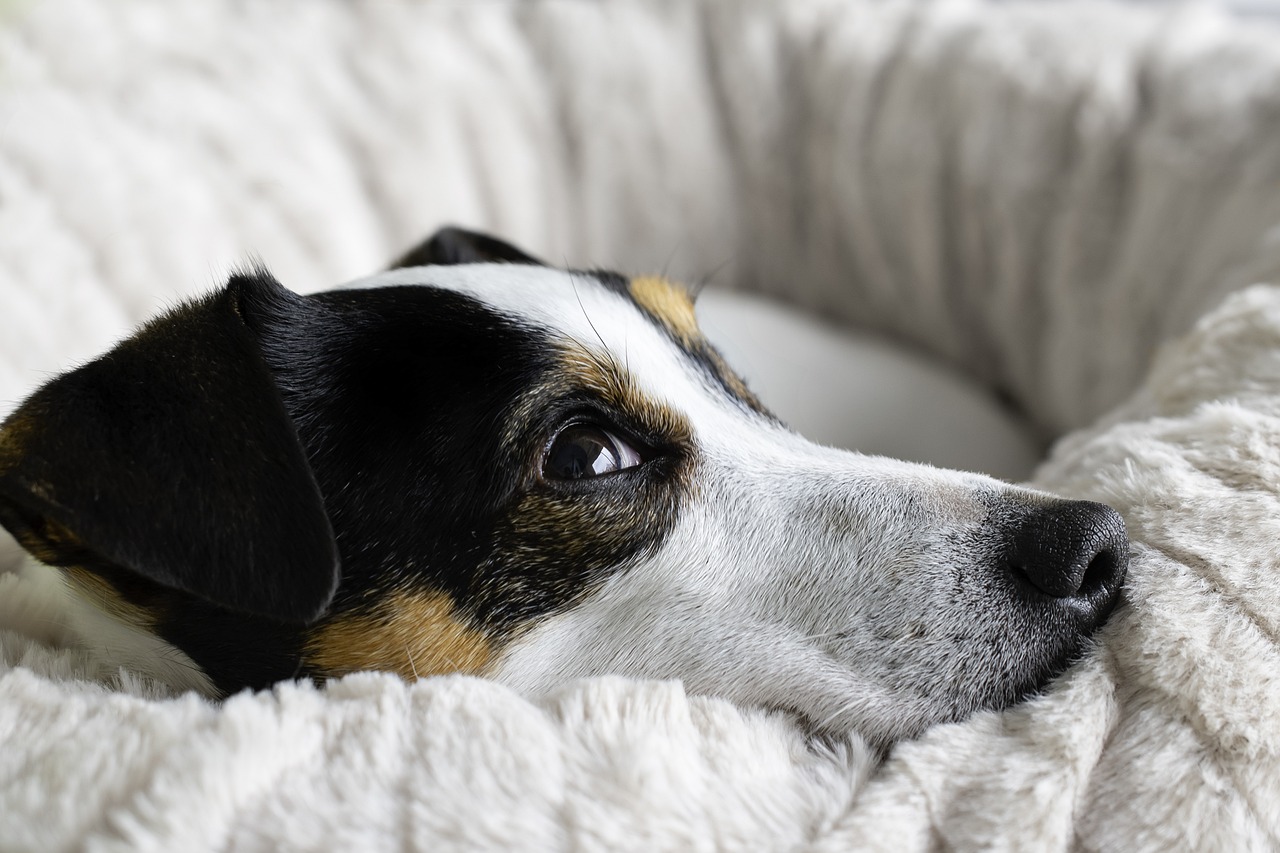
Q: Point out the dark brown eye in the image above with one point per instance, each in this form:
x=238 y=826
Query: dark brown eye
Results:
x=582 y=450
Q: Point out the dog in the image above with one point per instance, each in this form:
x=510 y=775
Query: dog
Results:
x=477 y=463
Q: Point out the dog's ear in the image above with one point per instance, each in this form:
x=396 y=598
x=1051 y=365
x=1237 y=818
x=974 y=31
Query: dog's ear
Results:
x=172 y=456
x=451 y=245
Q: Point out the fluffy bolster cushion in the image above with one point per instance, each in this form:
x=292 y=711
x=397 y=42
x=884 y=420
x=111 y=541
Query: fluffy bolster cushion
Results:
x=1052 y=199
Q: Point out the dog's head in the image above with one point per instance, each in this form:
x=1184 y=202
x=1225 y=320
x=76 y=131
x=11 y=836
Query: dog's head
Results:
x=476 y=463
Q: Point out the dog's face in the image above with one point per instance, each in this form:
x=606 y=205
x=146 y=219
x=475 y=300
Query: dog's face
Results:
x=512 y=470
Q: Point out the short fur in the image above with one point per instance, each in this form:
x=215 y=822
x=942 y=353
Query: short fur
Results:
x=282 y=486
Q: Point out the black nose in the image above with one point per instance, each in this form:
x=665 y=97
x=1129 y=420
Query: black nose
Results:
x=1071 y=550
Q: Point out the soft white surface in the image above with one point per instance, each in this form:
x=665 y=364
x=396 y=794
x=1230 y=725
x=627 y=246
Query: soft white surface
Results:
x=1041 y=209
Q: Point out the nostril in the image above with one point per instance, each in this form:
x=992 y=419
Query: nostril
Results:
x=1069 y=549
x=1100 y=573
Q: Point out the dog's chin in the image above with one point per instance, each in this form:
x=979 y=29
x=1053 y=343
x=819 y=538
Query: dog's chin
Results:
x=914 y=708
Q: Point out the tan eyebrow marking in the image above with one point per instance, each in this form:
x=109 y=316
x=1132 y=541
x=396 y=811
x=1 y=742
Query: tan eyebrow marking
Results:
x=613 y=384
x=672 y=307
x=669 y=304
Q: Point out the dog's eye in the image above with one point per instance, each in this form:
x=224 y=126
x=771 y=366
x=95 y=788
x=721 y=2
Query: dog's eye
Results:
x=582 y=450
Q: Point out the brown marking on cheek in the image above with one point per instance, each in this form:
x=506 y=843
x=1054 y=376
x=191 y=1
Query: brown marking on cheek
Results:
x=558 y=541
x=669 y=304
x=575 y=531
x=107 y=598
x=561 y=541
x=413 y=634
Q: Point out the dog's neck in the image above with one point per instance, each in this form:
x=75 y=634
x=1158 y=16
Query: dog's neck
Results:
x=63 y=610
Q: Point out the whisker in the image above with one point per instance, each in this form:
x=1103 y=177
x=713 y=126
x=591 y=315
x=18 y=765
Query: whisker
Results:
x=695 y=289
x=576 y=295
x=839 y=712
x=824 y=635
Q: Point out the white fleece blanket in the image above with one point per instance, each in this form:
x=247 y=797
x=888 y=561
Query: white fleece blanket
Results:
x=1041 y=196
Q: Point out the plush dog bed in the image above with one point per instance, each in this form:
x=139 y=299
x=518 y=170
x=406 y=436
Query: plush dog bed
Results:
x=1051 y=199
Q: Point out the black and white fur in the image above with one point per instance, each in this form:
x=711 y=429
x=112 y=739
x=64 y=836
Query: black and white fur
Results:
x=477 y=463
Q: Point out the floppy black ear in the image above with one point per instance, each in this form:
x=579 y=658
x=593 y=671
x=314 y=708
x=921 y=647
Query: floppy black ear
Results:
x=452 y=245
x=172 y=456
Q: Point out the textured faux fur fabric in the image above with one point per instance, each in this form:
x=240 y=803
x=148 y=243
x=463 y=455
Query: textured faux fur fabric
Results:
x=1044 y=197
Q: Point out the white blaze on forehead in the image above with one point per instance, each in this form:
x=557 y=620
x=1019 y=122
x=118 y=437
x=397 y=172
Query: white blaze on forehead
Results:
x=579 y=309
